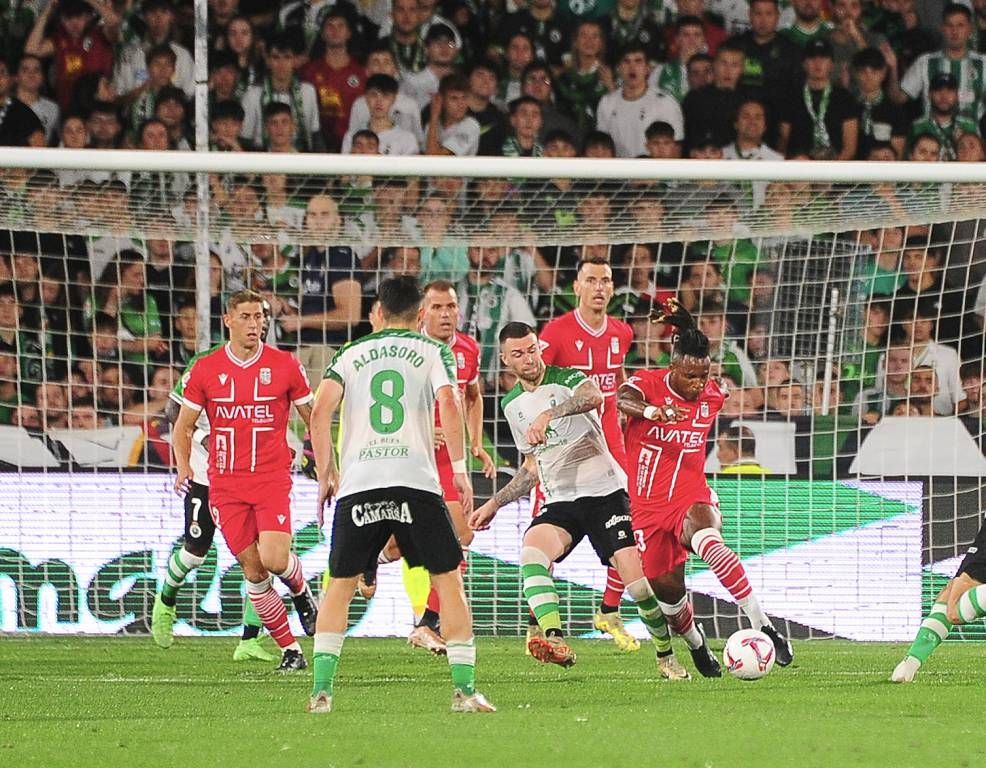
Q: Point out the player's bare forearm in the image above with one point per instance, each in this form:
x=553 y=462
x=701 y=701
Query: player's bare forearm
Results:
x=327 y=400
x=181 y=438
x=450 y=413
x=305 y=413
x=630 y=401
x=171 y=411
x=584 y=399
x=519 y=486
x=474 y=414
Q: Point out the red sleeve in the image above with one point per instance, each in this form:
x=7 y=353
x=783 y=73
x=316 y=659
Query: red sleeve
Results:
x=300 y=390
x=644 y=381
x=193 y=385
x=549 y=348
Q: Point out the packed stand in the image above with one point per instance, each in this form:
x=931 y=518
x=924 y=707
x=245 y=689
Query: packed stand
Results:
x=96 y=326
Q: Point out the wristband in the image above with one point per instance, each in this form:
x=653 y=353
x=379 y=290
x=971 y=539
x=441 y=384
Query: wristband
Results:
x=459 y=467
x=650 y=412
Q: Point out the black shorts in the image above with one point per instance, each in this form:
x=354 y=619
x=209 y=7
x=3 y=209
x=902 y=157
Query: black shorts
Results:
x=200 y=530
x=974 y=563
x=418 y=520
x=604 y=519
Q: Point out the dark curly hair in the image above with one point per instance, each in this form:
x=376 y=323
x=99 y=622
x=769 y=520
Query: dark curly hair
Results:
x=689 y=341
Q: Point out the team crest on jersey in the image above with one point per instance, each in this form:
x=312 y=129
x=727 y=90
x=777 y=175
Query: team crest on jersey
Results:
x=578 y=344
x=614 y=344
x=222 y=378
x=265 y=375
x=353 y=81
x=704 y=410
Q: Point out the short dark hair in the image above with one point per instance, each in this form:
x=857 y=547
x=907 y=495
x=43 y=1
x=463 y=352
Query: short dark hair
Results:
x=163 y=51
x=283 y=41
x=515 y=330
x=7 y=289
x=366 y=133
x=170 y=93
x=521 y=101
x=972 y=369
x=598 y=139
x=659 y=130
x=277 y=108
x=730 y=46
x=381 y=82
x=227 y=109
x=454 y=82
x=600 y=260
x=742 y=439
x=400 y=296
x=870 y=58
x=688 y=21
x=952 y=8
x=631 y=48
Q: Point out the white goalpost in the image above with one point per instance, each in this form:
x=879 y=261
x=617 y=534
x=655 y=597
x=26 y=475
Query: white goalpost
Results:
x=845 y=302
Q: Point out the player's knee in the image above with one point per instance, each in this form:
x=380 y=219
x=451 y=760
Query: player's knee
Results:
x=197 y=546
x=275 y=562
x=534 y=556
x=466 y=537
x=668 y=589
x=254 y=573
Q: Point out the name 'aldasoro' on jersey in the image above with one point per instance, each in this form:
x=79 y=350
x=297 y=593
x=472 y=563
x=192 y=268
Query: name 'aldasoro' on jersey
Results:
x=390 y=381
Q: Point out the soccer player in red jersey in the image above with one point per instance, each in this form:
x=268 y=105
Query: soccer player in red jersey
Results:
x=246 y=389
x=591 y=341
x=670 y=413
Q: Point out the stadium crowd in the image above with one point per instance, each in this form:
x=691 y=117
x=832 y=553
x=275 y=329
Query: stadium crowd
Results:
x=95 y=328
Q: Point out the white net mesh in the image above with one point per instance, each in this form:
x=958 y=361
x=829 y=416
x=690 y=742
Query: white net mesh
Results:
x=874 y=485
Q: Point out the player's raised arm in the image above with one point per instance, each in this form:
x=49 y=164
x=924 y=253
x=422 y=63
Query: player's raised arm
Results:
x=181 y=441
x=521 y=485
x=450 y=413
x=327 y=400
x=585 y=398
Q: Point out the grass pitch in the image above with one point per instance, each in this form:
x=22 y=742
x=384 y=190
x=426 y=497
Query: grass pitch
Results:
x=120 y=701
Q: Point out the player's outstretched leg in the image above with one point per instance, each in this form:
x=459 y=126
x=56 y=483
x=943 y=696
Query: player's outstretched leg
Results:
x=460 y=642
x=249 y=647
x=707 y=543
x=681 y=619
x=180 y=564
x=542 y=597
x=607 y=619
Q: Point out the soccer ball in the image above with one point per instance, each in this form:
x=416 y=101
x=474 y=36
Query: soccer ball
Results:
x=749 y=654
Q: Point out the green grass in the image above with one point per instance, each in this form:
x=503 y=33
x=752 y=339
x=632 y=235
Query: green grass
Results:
x=121 y=701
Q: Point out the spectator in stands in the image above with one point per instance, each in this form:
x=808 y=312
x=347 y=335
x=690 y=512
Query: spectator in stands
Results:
x=809 y=26
x=834 y=395
x=702 y=284
x=381 y=95
x=441 y=51
x=881 y=119
x=282 y=84
x=671 y=77
x=73 y=135
x=916 y=325
x=487 y=302
x=184 y=344
x=787 y=400
x=848 y=37
x=142 y=101
x=134 y=71
x=736 y=449
x=450 y=129
x=661 y=144
x=224 y=79
x=772 y=60
x=922 y=391
x=18 y=122
x=280 y=128
x=105 y=339
x=820 y=119
x=18 y=341
x=440 y=259
x=30 y=81
x=598 y=144
x=225 y=126
x=153 y=400
x=330 y=306
x=404 y=113
x=105 y=127
x=51 y=403
x=115 y=394
x=170 y=108
x=520 y=52
x=406 y=38
x=742 y=401
x=971 y=375
x=240 y=40
x=924 y=270
x=10 y=397
x=891 y=385
x=714 y=107
x=859 y=367
x=337 y=77
x=537 y=84
x=632 y=21
x=78 y=44
x=955 y=56
x=484 y=77
x=526 y=121
x=731 y=357
x=548 y=29
x=943 y=119
x=738 y=257
x=711 y=22
x=750 y=127
x=626 y=114
x=702 y=146
x=651 y=344
x=586 y=77
x=772 y=372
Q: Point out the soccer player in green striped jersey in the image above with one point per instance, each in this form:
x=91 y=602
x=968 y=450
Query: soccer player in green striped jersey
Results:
x=963 y=599
x=554 y=419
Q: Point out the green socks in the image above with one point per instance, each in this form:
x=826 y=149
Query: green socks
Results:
x=539 y=588
x=462 y=663
x=180 y=563
x=328 y=647
x=934 y=629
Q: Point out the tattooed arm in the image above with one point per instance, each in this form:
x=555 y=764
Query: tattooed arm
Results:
x=585 y=398
x=521 y=485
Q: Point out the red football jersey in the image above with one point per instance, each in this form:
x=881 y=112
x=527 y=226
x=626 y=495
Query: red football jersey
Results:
x=465 y=350
x=337 y=89
x=248 y=403
x=569 y=342
x=667 y=461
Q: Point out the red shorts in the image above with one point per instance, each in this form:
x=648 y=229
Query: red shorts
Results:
x=244 y=510
x=449 y=491
x=658 y=534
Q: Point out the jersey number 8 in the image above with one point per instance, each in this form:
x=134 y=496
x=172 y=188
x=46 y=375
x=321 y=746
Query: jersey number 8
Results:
x=387 y=411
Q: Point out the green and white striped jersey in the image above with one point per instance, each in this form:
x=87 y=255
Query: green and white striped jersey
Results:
x=390 y=380
x=575 y=462
x=969 y=72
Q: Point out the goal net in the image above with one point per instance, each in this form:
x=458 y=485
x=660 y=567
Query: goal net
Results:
x=844 y=303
